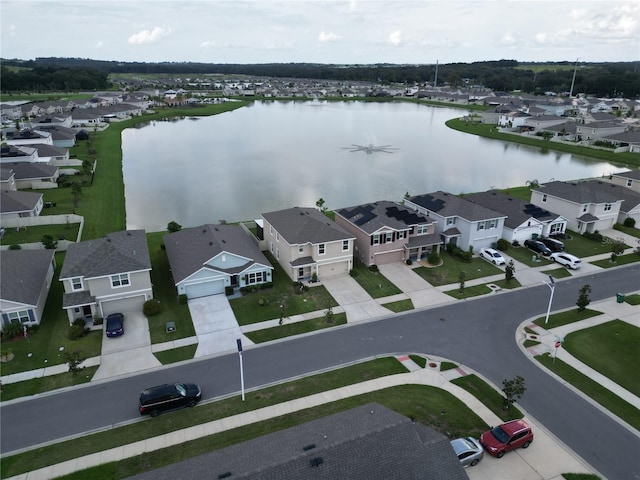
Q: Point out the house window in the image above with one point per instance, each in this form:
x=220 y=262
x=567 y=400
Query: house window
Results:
x=277 y=237
x=376 y=239
x=402 y=234
x=271 y=229
x=480 y=225
x=544 y=197
x=271 y=244
x=121 y=280
x=345 y=245
x=556 y=228
x=584 y=208
x=607 y=207
x=422 y=229
x=451 y=221
x=76 y=284
x=300 y=248
x=256 y=277
x=278 y=253
x=18 y=317
x=321 y=249
x=388 y=237
x=492 y=223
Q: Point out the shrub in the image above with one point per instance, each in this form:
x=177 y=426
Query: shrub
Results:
x=14 y=246
x=174 y=227
x=629 y=222
x=434 y=257
x=408 y=261
x=450 y=248
x=515 y=243
x=77 y=330
x=12 y=330
x=48 y=242
x=374 y=268
x=595 y=236
x=151 y=307
x=228 y=290
x=502 y=245
x=182 y=299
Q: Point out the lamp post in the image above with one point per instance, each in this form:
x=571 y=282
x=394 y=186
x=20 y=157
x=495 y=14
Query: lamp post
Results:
x=239 y=342
x=552 y=287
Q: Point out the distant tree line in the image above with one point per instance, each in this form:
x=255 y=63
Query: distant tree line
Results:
x=599 y=79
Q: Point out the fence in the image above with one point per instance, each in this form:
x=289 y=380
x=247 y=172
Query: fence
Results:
x=25 y=222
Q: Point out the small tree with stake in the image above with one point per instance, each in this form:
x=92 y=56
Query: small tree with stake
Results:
x=509 y=270
x=513 y=389
x=583 y=297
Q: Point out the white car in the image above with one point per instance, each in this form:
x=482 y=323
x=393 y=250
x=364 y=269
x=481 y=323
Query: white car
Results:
x=493 y=256
x=566 y=259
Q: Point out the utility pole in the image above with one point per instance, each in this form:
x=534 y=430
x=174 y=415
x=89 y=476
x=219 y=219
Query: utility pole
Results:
x=573 y=80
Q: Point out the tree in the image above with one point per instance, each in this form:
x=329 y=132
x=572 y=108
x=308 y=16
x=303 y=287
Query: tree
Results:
x=513 y=390
x=617 y=248
x=583 y=297
x=509 y=270
x=547 y=135
x=174 y=227
x=48 y=242
x=532 y=183
x=76 y=192
x=461 y=278
x=73 y=359
x=320 y=204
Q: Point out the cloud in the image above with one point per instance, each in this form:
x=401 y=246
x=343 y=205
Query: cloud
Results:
x=99 y=44
x=508 y=39
x=12 y=30
x=149 y=36
x=327 y=36
x=395 y=38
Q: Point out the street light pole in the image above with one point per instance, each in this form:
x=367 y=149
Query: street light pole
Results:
x=239 y=342
x=552 y=287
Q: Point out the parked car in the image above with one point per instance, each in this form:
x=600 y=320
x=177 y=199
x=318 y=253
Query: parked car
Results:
x=115 y=325
x=553 y=244
x=161 y=398
x=493 y=256
x=538 y=247
x=468 y=450
x=506 y=437
x=566 y=259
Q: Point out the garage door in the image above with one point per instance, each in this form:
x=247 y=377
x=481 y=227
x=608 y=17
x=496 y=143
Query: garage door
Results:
x=204 y=289
x=131 y=304
x=331 y=269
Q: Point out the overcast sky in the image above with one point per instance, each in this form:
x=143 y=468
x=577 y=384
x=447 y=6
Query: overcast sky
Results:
x=359 y=31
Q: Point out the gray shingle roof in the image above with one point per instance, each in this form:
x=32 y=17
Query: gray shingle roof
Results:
x=369 y=442
x=189 y=249
x=579 y=192
x=371 y=217
x=631 y=198
x=448 y=205
x=23 y=274
x=14 y=201
x=299 y=225
x=516 y=210
x=28 y=170
x=632 y=174
x=117 y=252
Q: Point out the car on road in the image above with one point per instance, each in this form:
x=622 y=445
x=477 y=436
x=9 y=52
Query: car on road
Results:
x=538 y=247
x=115 y=325
x=493 y=256
x=158 y=399
x=566 y=259
x=468 y=450
x=553 y=244
x=506 y=437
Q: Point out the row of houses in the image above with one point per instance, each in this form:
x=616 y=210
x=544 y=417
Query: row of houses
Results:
x=113 y=273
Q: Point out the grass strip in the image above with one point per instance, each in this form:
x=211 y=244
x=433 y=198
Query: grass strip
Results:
x=177 y=354
x=296 y=328
x=399 y=306
x=45 y=384
x=564 y=318
x=488 y=396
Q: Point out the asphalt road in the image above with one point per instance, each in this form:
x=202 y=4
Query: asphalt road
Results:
x=478 y=333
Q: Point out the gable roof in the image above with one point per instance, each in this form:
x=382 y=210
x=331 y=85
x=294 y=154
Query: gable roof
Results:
x=299 y=225
x=632 y=174
x=117 y=252
x=371 y=217
x=14 y=201
x=23 y=274
x=448 y=205
x=369 y=442
x=28 y=170
x=189 y=249
x=516 y=210
x=630 y=198
x=578 y=192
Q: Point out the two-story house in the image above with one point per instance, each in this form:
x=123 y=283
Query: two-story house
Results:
x=107 y=275
x=630 y=179
x=209 y=259
x=387 y=232
x=460 y=221
x=307 y=243
x=586 y=205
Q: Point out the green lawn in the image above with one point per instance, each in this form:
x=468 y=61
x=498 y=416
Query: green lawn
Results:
x=45 y=384
x=582 y=247
x=611 y=349
x=374 y=282
x=524 y=255
x=592 y=389
x=621 y=260
x=564 y=318
x=476 y=290
x=296 y=328
x=448 y=272
x=633 y=231
x=488 y=396
x=557 y=273
x=176 y=354
x=35 y=233
x=399 y=306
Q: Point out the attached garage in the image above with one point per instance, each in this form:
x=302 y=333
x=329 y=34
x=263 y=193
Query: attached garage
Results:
x=204 y=289
x=330 y=269
x=122 y=305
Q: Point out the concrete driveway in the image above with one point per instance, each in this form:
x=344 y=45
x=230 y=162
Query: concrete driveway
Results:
x=127 y=353
x=421 y=293
x=216 y=326
x=356 y=302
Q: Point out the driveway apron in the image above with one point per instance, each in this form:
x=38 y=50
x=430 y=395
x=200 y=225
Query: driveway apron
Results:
x=356 y=302
x=421 y=292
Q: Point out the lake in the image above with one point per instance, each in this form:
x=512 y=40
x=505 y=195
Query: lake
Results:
x=275 y=155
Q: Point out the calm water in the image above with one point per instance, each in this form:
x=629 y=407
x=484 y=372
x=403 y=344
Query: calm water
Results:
x=275 y=155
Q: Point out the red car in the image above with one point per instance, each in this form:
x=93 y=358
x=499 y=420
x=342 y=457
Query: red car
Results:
x=507 y=437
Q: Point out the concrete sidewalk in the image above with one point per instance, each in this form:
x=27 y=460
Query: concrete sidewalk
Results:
x=546 y=459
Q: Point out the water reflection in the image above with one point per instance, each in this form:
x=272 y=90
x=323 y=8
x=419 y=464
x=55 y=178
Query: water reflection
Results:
x=273 y=155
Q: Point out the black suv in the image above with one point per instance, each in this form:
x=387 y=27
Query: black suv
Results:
x=553 y=244
x=538 y=247
x=157 y=399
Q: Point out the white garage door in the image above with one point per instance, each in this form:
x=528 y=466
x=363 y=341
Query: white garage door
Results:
x=131 y=304
x=205 y=289
x=331 y=269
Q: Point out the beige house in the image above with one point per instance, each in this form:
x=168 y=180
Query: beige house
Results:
x=107 y=275
x=387 y=232
x=307 y=243
x=630 y=179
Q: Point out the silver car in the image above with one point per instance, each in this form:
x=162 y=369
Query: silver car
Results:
x=468 y=450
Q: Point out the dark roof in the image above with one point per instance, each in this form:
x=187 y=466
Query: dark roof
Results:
x=10 y=151
x=117 y=252
x=448 y=205
x=29 y=170
x=26 y=134
x=23 y=274
x=578 y=192
x=632 y=174
x=369 y=442
x=516 y=210
x=13 y=201
x=299 y=225
x=371 y=217
x=77 y=299
x=189 y=249
x=631 y=198
x=45 y=150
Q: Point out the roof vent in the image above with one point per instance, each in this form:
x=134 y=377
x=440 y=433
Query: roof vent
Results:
x=309 y=447
x=225 y=475
x=210 y=243
x=316 y=462
x=204 y=230
x=224 y=241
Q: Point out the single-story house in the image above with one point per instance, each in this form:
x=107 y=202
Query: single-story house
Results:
x=387 y=232
x=26 y=279
x=15 y=204
x=28 y=137
x=18 y=153
x=207 y=260
x=33 y=175
x=7 y=179
x=107 y=275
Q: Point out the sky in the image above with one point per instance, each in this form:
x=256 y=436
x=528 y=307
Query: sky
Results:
x=322 y=31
